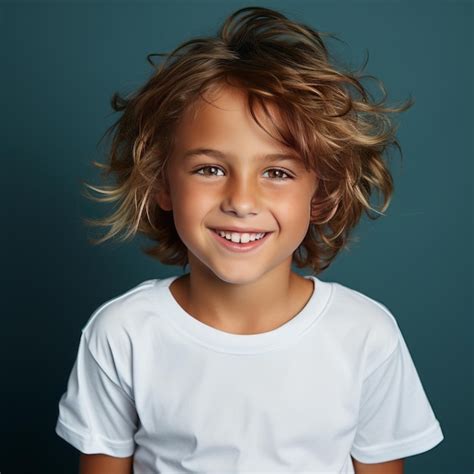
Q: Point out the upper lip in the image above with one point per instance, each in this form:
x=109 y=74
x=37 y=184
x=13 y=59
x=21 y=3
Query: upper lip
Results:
x=240 y=230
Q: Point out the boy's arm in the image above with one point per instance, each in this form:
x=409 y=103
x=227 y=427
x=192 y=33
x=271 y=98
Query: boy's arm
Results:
x=102 y=463
x=389 y=467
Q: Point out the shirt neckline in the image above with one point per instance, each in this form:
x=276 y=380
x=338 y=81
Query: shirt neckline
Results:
x=223 y=341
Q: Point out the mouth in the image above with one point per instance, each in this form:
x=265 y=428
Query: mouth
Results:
x=237 y=242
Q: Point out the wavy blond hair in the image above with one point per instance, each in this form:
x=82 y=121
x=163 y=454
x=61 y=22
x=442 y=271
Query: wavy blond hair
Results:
x=330 y=119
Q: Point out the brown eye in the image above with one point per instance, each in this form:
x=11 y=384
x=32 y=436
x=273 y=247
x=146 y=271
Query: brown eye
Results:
x=212 y=169
x=280 y=174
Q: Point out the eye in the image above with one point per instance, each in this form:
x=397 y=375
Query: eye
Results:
x=280 y=173
x=207 y=168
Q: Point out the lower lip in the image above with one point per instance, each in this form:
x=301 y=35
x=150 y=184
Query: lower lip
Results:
x=235 y=247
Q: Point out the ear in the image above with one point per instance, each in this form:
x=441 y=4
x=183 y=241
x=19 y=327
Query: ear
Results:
x=164 y=200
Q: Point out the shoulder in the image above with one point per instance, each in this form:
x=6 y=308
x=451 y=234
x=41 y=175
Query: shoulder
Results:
x=368 y=322
x=115 y=320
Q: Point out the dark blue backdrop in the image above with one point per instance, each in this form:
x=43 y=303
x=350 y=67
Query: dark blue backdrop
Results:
x=60 y=64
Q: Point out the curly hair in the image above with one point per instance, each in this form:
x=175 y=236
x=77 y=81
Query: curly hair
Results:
x=330 y=119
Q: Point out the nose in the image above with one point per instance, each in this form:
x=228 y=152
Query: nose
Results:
x=241 y=196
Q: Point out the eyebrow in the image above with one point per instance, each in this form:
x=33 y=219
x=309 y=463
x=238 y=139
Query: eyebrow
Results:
x=218 y=154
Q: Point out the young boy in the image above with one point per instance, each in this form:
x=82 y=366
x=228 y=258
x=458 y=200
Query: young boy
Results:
x=244 y=155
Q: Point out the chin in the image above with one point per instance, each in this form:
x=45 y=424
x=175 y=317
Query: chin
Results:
x=236 y=276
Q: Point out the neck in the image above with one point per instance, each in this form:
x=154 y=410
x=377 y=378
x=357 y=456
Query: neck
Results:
x=248 y=308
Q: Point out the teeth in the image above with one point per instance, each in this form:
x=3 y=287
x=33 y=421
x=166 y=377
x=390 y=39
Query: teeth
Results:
x=240 y=238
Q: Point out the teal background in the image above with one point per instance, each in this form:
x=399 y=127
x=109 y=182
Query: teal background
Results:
x=61 y=63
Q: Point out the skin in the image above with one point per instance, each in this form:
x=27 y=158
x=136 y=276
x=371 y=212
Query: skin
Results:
x=390 y=467
x=234 y=292
x=101 y=463
x=255 y=292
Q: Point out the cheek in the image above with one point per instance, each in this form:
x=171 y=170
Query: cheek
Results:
x=294 y=215
x=295 y=208
x=191 y=204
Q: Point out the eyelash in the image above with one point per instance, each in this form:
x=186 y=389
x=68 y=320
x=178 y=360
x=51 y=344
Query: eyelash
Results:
x=271 y=169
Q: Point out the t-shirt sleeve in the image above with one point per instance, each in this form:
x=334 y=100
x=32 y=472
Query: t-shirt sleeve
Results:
x=96 y=414
x=395 y=417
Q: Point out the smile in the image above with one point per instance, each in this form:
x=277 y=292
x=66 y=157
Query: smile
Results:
x=240 y=242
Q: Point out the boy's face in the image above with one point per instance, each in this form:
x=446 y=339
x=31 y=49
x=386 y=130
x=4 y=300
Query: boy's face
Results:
x=239 y=189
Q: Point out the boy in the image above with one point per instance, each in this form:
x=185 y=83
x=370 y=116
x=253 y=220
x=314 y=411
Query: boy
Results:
x=243 y=156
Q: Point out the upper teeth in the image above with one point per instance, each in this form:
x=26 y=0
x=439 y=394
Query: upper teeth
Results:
x=236 y=237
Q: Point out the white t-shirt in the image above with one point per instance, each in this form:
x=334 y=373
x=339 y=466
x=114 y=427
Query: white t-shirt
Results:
x=183 y=397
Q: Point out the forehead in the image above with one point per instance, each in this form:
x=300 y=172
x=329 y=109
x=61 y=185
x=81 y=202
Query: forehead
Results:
x=223 y=116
